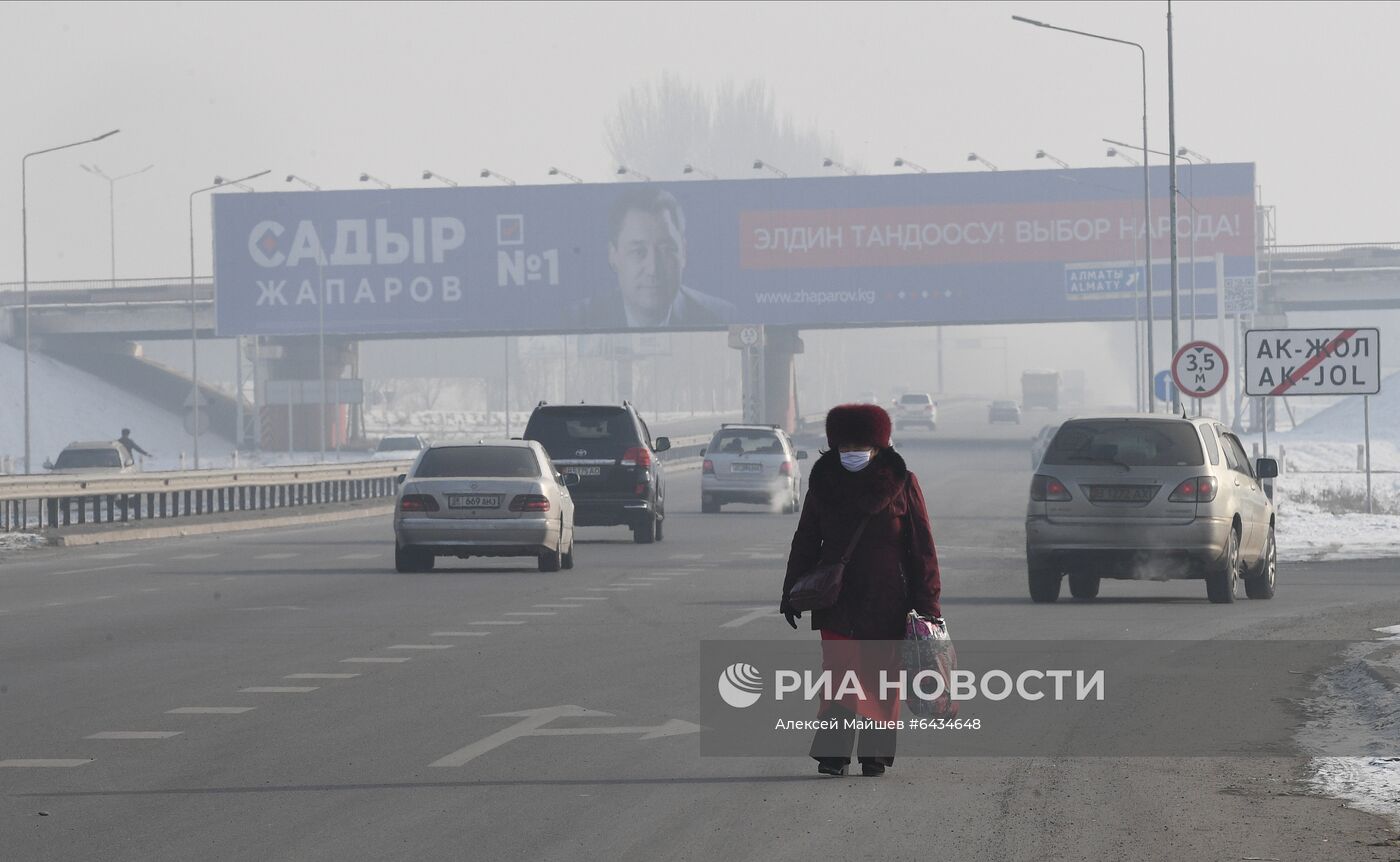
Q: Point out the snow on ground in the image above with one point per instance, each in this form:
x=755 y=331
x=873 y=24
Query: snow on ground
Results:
x=1321 y=494
x=21 y=541
x=68 y=405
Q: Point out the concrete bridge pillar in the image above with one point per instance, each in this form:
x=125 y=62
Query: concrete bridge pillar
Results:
x=297 y=427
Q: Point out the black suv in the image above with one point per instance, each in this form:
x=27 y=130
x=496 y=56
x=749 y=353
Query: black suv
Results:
x=621 y=480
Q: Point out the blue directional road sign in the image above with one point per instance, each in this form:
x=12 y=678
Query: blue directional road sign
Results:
x=1162 y=385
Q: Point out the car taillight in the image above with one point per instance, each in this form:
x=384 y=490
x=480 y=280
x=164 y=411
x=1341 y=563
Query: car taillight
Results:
x=418 y=503
x=708 y=467
x=637 y=456
x=1198 y=490
x=1048 y=489
x=785 y=469
x=529 y=503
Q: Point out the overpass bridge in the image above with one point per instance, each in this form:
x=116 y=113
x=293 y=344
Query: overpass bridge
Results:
x=94 y=324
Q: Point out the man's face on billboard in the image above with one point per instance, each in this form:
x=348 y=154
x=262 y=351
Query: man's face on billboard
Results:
x=648 y=257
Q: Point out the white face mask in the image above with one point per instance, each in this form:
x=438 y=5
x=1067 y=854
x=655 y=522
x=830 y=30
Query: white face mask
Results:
x=855 y=461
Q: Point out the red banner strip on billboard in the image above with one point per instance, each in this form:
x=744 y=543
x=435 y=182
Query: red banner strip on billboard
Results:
x=1312 y=363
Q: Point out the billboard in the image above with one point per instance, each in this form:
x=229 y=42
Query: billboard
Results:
x=984 y=247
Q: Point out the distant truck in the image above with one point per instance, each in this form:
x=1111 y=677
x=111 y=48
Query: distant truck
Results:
x=1040 y=389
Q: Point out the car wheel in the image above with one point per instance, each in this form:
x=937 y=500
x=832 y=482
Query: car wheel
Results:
x=1044 y=583
x=566 y=561
x=1084 y=586
x=661 y=527
x=1225 y=573
x=708 y=505
x=551 y=561
x=412 y=560
x=645 y=532
x=1261 y=584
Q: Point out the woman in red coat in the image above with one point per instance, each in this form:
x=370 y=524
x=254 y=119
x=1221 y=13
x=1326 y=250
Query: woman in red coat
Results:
x=893 y=569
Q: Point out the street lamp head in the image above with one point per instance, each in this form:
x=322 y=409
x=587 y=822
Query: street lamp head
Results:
x=427 y=175
x=364 y=177
x=688 y=169
x=898 y=162
x=553 y=171
x=105 y=135
x=826 y=163
x=621 y=169
x=218 y=181
x=972 y=157
x=290 y=177
x=1112 y=152
x=1030 y=21
x=758 y=164
x=485 y=173
x=1040 y=154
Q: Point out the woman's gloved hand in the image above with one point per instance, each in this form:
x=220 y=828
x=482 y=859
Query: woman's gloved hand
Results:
x=791 y=614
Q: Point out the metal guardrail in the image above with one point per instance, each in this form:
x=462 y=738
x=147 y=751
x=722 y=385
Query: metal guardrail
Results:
x=50 y=502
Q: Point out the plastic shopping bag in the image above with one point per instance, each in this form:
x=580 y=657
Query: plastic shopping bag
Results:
x=928 y=648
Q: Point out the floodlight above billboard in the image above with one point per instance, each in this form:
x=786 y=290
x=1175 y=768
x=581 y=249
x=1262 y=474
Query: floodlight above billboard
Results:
x=985 y=247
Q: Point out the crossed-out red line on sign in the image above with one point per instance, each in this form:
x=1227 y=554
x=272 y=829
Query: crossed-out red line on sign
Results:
x=1312 y=363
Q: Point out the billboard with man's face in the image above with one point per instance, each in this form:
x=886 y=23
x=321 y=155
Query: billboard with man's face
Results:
x=986 y=247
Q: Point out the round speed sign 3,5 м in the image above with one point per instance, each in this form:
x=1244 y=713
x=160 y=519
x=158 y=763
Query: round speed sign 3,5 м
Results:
x=1200 y=369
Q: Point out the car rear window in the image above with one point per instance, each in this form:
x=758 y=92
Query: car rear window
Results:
x=1131 y=442
x=596 y=432
x=398 y=444
x=915 y=399
x=453 y=462
x=746 y=443
x=76 y=459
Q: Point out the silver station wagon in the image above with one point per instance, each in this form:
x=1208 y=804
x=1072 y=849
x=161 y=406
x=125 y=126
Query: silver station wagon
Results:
x=489 y=499
x=1147 y=496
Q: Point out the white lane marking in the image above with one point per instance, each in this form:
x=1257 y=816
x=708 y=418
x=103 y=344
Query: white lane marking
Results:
x=556 y=606
x=422 y=646
x=759 y=555
x=54 y=604
x=670 y=573
x=43 y=763
x=195 y=557
x=134 y=734
x=584 y=598
x=274 y=556
x=532 y=613
x=150 y=589
x=532 y=723
x=210 y=710
x=320 y=676
x=634 y=584
x=102 y=598
x=496 y=623
x=686 y=557
x=650 y=578
x=374 y=660
x=753 y=614
x=608 y=589
x=106 y=568
x=274 y=608
x=278 y=689
x=368 y=556
x=459 y=634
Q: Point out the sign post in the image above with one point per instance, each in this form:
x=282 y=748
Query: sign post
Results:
x=1343 y=361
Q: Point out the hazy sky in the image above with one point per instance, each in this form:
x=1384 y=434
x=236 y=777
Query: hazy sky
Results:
x=1306 y=90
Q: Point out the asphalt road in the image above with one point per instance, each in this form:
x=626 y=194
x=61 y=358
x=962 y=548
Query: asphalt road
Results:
x=290 y=694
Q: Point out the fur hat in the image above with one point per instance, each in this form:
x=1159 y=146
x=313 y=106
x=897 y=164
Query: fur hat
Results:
x=858 y=425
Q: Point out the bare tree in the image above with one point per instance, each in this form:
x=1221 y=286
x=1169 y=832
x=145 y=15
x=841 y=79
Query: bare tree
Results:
x=661 y=126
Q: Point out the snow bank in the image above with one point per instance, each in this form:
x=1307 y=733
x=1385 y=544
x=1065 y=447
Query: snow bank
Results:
x=67 y=405
x=21 y=541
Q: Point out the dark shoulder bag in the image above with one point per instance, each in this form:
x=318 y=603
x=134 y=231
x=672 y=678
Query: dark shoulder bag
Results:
x=819 y=587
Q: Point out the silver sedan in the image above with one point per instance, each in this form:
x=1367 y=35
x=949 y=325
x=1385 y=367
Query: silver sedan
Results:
x=489 y=499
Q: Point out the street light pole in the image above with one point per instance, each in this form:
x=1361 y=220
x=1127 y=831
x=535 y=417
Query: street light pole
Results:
x=112 y=208
x=24 y=255
x=194 y=320
x=1146 y=189
x=1171 y=170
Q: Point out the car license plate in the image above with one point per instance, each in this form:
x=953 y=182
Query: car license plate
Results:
x=473 y=501
x=1122 y=493
x=746 y=468
x=585 y=471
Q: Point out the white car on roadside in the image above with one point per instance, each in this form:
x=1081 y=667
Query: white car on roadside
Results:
x=99 y=457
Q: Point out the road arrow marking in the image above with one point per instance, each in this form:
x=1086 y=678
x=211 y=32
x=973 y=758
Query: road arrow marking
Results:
x=753 y=614
x=532 y=723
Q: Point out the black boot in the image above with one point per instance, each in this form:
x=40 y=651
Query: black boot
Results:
x=831 y=766
x=872 y=770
